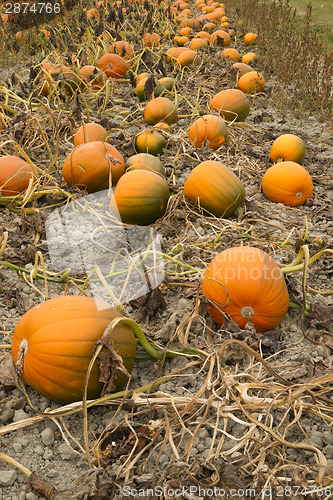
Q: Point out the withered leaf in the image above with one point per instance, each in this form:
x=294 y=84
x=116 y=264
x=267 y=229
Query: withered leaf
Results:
x=37 y=485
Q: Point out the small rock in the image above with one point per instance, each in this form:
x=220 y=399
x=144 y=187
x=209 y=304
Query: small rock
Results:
x=48 y=454
x=31 y=496
x=52 y=473
x=47 y=436
x=7 y=477
x=39 y=450
x=65 y=452
x=328 y=451
x=20 y=415
x=17 y=447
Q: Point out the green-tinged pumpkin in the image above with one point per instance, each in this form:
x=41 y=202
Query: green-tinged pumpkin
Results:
x=215 y=187
x=93 y=166
x=164 y=84
x=160 y=109
x=232 y=104
x=288 y=183
x=288 y=147
x=145 y=161
x=246 y=283
x=250 y=57
x=150 y=141
x=211 y=129
x=140 y=197
x=15 y=175
x=57 y=339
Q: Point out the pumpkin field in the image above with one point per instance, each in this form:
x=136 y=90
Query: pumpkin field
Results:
x=166 y=241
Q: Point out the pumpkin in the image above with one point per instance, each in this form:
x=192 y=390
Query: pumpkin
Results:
x=145 y=161
x=209 y=27
x=122 y=48
x=150 y=141
x=93 y=166
x=93 y=76
x=232 y=104
x=151 y=39
x=90 y=132
x=192 y=22
x=57 y=338
x=250 y=38
x=66 y=77
x=204 y=35
x=231 y=54
x=217 y=189
x=186 y=58
x=250 y=57
x=288 y=183
x=141 y=76
x=140 y=88
x=164 y=84
x=160 y=109
x=288 y=147
x=186 y=31
x=140 y=197
x=182 y=41
x=208 y=128
x=197 y=43
x=15 y=175
x=251 y=82
x=92 y=13
x=246 y=283
x=218 y=36
x=240 y=69
x=114 y=66
x=174 y=52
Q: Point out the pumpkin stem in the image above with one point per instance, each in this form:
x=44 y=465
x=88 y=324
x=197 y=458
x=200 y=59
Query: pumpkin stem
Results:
x=247 y=312
x=20 y=357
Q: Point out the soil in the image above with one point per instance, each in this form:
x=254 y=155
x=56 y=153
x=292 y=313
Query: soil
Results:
x=231 y=429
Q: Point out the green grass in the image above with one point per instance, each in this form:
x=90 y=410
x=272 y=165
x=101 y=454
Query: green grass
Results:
x=321 y=18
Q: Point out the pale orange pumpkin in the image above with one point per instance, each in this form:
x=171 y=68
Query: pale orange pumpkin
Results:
x=232 y=104
x=251 y=82
x=288 y=183
x=247 y=284
x=288 y=147
x=211 y=129
x=15 y=175
x=160 y=109
x=93 y=76
x=90 y=132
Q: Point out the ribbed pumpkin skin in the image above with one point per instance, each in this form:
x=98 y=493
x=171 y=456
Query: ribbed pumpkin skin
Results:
x=251 y=279
x=251 y=82
x=150 y=141
x=140 y=197
x=288 y=183
x=232 y=104
x=289 y=147
x=114 y=66
x=218 y=189
x=160 y=109
x=145 y=161
x=15 y=175
x=88 y=166
x=94 y=132
x=60 y=334
x=210 y=128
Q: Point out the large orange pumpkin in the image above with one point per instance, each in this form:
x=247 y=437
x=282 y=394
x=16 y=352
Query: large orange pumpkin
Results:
x=93 y=166
x=150 y=141
x=140 y=197
x=217 y=189
x=90 y=132
x=211 y=129
x=220 y=36
x=231 y=54
x=232 y=104
x=251 y=82
x=114 y=66
x=288 y=183
x=57 y=338
x=15 y=175
x=160 y=109
x=245 y=282
x=288 y=147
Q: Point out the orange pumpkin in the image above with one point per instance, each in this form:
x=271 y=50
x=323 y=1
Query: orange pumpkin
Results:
x=250 y=38
x=220 y=37
x=15 y=175
x=122 y=48
x=140 y=197
x=93 y=166
x=145 y=161
x=150 y=141
x=246 y=283
x=240 y=69
x=90 y=132
x=57 y=338
x=93 y=75
x=231 y=54
x=288 y=147
x=217 y=189
x=250 y=57
x=92 y=13
x=197 y=43
x=186 y=58
x=288 y=183
x=208 y=128
x=164 y=84
x=251 y=82
x=114 y=66
x=63 y=75
x=174 y=52
x=232 y=104
x=151 y=39
x=160 y=109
